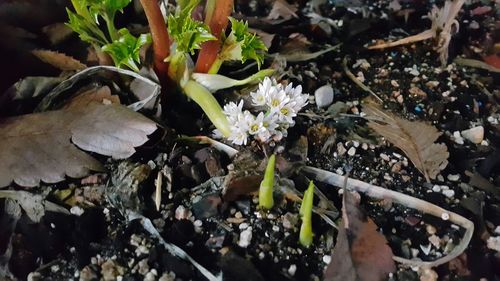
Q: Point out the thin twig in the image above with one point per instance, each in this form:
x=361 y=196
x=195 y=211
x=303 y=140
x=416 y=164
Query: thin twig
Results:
x=357 y=82
x=427 y=34
x=405 y=200
x=231 y=152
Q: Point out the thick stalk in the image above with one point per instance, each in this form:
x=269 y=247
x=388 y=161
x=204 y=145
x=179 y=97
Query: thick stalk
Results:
x=209 y=104
x=218 y=23
x=159 y=34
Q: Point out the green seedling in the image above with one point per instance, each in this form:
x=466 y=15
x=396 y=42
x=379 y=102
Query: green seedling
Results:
x=266 y=200
x=240 y=45
x=121 y=46
x=306 y=233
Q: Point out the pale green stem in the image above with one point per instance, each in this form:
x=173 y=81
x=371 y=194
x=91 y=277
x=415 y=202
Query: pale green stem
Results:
x=209 y=104
x=110 y=25
x=306 y=233
x=266 y=200
x=214 y=69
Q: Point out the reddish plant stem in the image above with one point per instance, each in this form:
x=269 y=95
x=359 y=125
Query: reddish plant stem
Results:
x=218 y=24
x=159 y=34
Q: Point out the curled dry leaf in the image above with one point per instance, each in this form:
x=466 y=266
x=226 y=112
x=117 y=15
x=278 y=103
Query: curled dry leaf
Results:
x=40 y=146
x=59 y=60
x=416 y=139
x=361 y=252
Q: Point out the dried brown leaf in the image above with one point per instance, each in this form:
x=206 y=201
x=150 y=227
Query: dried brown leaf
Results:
x=281 y=9
x=99 y=95
x=416 y=139
x=40 y=146
x=59 y=60
x=361 y=252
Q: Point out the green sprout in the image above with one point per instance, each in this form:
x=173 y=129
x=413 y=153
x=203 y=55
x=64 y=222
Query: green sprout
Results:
x=306 y=233
x=266 y=200
x=240 y=45
x=125 y=50
x=188 y=34
x=122 y=46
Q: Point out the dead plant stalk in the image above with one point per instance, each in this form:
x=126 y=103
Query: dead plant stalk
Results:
x=443 y=24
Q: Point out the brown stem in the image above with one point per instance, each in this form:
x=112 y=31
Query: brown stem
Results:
x=159 y=34
x=218 y=24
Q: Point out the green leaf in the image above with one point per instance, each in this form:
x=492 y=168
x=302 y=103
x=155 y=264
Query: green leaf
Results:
x=87 y=30
x=125 y=50
x=188 y=33
x=243 y=45
x=108 y=7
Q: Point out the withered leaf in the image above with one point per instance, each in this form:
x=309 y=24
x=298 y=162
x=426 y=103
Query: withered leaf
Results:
x=95 y=94
x=416 y=139
x=281 y=9
x=361 y=252
x=59 y=60
x=40 y=146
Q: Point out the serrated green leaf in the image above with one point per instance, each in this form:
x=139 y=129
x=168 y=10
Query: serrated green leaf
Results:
x=242 y=45
x=188 y=34
x=125 y=50
x=87 y=30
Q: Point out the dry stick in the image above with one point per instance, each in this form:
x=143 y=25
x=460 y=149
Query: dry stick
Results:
x=357 y=82
x=428 y=34
x=218 y=23
x=405 y=200
x=159 y=34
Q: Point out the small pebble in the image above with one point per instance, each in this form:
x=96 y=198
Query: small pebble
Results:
x=351 y=151
x=238 y=215
x=327 y=259
x=475 y=134
x=76 y=210
x=341 y=149
x=243 y=226
x=457 y=138
x=493 y=243
x=451 y=177
x=245 y=238
x=385 y=157
x=324 y=96
x=292 y=269
x=449 y=193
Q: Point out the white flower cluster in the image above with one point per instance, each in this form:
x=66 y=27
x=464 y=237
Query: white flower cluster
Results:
x=280 y=105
